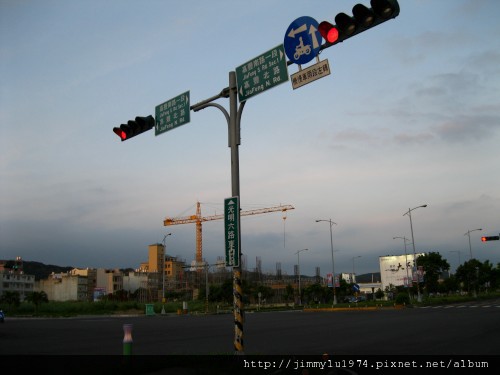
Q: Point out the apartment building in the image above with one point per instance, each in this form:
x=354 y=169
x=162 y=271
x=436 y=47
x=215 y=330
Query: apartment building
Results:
x=65 y=287
x=13 y=278
x=111 y=280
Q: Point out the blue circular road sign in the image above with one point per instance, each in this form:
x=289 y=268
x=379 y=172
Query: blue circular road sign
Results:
x=302 y=40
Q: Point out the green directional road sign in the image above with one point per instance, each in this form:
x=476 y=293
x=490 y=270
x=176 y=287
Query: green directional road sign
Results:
x=262 y=73
x=173 y=113
x=232 y=231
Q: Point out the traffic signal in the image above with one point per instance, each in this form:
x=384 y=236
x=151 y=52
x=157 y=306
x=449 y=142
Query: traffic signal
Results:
x=133 y=128
x=363 y=18
x=490 y=238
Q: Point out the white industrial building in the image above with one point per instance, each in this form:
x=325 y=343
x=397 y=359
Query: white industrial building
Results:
x=398 y=270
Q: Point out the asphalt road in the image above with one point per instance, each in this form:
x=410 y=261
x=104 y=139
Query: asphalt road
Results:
x=472 y=329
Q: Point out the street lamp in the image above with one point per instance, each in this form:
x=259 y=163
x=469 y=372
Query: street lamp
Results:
x=163 y=278
x=298 y=270
x=468 y=234
x=333 y=261
x=419 y=297
x=359 y=256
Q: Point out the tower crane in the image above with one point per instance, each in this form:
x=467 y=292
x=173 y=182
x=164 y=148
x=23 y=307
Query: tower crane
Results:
x=198 y=219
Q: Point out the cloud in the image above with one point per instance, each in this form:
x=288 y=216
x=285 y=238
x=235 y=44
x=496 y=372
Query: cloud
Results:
x=483 y=203
x=466 y=128
x=413 y=138
x=421 y=48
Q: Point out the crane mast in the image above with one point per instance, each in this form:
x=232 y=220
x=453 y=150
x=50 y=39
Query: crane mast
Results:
x=198 y=219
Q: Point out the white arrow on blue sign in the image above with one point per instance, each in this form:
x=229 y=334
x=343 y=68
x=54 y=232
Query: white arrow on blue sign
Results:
x=302 y=40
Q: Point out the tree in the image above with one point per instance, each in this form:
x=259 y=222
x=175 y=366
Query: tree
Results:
x=343 y=289
x=288 y=293
x=433 y=265
x=495 y=277
x=451 y=284
x=37 y=298
x=12 y=299
x=316 y=292
x=265 y=292
x=222 y=293
x=475 y=274
x=390 y=291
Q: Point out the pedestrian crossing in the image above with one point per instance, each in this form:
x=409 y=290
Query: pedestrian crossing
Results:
x=484 y=305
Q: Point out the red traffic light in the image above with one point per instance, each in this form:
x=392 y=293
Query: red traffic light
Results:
x=120 y=133
x=328 y=32
x=490 y=238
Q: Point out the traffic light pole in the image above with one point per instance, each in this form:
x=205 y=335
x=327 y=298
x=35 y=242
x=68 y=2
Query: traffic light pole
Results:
x=234 y=140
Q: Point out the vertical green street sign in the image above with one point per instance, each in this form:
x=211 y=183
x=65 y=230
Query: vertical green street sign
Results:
x=232 y=231
x=262 y=73
x=173 y=113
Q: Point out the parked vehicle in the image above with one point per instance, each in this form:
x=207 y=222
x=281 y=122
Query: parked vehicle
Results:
x=2 y=316
x=354 y=299
x=350 y=299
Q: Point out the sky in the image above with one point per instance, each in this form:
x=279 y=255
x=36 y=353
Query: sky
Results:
x=409 y=116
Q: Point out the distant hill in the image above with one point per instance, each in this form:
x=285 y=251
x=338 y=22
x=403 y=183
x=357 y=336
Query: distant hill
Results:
x=42 y=271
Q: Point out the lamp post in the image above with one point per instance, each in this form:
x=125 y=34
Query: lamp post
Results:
x=419 y=297
x=163 y=273
x=359 y=256
x=333 y=261
x=468 y=234
x=298 y=271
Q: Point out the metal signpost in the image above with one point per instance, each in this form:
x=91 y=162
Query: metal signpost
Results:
x=233 y=119
x=173 y=113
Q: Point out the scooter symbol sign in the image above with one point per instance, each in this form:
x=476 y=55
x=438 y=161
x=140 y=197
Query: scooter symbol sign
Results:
x=302 y=40
x=301 y=49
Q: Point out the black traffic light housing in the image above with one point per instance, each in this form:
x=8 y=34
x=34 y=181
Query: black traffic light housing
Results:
x=363 y=18
x=133 y=128
x=490 y=238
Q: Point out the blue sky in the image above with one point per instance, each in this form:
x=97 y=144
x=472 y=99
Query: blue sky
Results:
x=409 y=116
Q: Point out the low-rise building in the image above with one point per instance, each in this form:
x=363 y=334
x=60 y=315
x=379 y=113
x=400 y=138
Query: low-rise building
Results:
x=13 y=278
x=134 y=281
x=91 y=275
x=65 y=287
x=109 y=280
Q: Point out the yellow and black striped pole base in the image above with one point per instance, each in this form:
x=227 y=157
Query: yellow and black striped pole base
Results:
x=238 y=312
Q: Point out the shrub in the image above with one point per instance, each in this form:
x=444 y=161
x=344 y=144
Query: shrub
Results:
x=402 y=299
